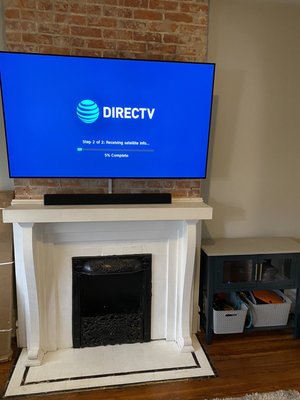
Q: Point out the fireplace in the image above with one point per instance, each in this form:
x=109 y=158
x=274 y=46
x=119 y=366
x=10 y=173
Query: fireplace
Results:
x=111 y=300
x=46 y=239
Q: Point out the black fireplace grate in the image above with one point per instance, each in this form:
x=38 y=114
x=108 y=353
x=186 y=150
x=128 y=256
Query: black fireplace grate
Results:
x=111 y=329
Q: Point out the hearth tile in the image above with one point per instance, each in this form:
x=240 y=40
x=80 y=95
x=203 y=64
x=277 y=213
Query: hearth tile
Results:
x=73 y=369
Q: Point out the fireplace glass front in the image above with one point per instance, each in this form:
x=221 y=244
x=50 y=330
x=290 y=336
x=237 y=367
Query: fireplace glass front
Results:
x=111 y=299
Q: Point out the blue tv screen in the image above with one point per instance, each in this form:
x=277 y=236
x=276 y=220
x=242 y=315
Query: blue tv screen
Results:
x=85 y=117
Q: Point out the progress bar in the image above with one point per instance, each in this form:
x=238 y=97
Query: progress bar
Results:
x=120 y=150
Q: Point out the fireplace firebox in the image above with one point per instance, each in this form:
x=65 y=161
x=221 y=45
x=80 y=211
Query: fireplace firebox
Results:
x=111 y=299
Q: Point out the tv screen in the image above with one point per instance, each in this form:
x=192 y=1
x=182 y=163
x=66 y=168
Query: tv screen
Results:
x=84 y=117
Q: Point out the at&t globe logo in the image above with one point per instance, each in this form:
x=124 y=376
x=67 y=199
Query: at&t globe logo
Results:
x=87 y=111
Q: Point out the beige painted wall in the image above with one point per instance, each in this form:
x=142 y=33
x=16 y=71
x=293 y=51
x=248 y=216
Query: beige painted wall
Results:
x=5 y=182
x=254 y=168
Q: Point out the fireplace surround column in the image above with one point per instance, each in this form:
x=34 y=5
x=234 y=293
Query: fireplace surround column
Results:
x=185 y=287
x=27 y=263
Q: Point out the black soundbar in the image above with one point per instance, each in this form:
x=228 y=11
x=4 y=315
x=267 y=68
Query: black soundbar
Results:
x=104 y=198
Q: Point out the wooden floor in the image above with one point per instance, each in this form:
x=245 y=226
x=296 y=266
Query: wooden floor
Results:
x=261 y=362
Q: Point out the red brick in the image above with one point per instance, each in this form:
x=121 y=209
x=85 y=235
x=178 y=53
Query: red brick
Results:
x=134 y=3
x=94 y=9
x=132 y=46
x=162 y=48
x=203 y=21
x=28 y=14
x=182 y=39
x=13 y=26
x=85 y=31
x=62 y=18
x=21 y=193
x=44 y=182
x=189 y=50
x=44 y=16
x=103 y=183
x=148 y=15
x=117 y=12
x=28 y=26
x=134 y=25
x=36 y=38
x=195 y=184
x=154 y=183
x=109 y=33
x=179 y=17
x=82 y=190
x=169 y=184
x=168 y=38
x=27 y=4
x=53 y=50
x=61 y=41
x=100 y=44
x=99 y=21
x=77 y=7
x=180 y=193
x=22 y=48
x=164 y=5
x=61 y=5
x=44 y=5
x=120 y=184
x=52 y=28
x=13 y=37
x=147 y=36
x=77 y=42
x=111 y=54
x=183 y=184
x=194 y=7
x=163 y=26
x=133 y=55
x=71 y=183
x=86 y=52
x=21 y=182
x=96 y=2
x=193 y=29
x=77 y=19
x=12 y=13
x=117 y=34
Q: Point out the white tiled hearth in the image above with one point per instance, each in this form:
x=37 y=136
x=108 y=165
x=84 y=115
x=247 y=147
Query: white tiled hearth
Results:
x=106 y=366
x=46 y=239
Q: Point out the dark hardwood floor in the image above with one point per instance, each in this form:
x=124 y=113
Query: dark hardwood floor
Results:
x=254 y=362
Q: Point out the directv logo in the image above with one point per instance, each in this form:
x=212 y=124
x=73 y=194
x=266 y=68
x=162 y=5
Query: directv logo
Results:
x=87 y=111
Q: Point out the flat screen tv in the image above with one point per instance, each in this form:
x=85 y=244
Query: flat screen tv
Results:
x=85 y=117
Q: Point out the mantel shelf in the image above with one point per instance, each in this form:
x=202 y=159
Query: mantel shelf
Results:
x=38 y=213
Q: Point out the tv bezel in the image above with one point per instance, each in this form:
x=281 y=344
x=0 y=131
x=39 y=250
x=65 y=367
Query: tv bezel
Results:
x=117 y=59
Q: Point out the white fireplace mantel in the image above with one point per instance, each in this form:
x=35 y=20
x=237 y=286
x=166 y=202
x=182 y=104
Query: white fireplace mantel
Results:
x=46 y=237
x=38 y=213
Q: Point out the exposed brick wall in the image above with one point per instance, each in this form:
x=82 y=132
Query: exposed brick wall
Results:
x=147 y=29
